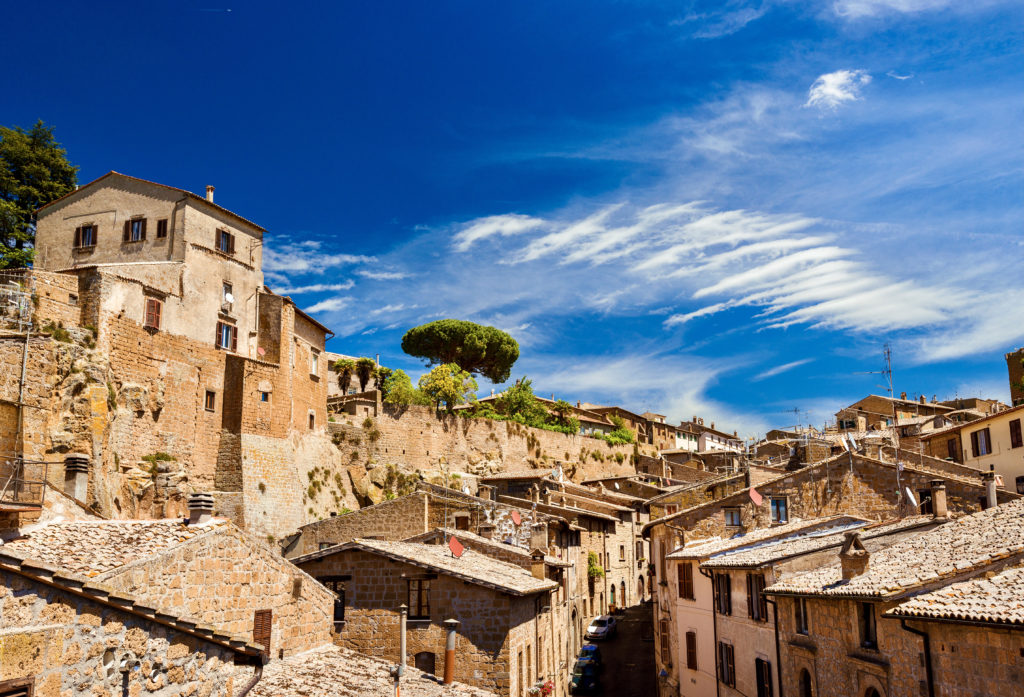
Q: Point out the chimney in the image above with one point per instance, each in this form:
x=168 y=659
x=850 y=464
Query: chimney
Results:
x=537 y=563
x=903 y=395
x=492 y=391
x=76 y=475
x=485 y=530
x=990 y=487
x=403 y=614
x=853 y=557
x=485 y=491
x=921 y=399
x=735 y=434
x=939 y=509
x=535 y=493
x=577 y=404
x=450 y=626
x=209 y=193
x=200 y=508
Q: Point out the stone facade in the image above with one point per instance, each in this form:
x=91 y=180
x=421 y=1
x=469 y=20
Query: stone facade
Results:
x=64 y=642
x=1015 y=372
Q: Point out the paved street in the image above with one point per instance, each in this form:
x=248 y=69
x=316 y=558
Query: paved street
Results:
x=629 y=657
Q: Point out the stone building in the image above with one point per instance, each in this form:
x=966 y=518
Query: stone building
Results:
x=853 y=485
x=1015 y=371
x=848 y=627
x=65 y=633
x=876 y=412
x=994 y=441
x=507 y=639
x=159 y=340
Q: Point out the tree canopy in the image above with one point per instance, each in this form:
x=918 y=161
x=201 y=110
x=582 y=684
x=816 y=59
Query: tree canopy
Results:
x=34 y=170
x=346 y=368
x=448 y=385
x=365 y=369
x=475 y=348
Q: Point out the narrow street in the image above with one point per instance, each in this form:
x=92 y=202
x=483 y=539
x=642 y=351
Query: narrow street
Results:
x=629 y=657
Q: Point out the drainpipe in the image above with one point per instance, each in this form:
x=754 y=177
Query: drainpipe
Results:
x=927 y=654
x=449 y=651
x=252 y=683
x=714 y=624
x=778 y=653
x=21 y=397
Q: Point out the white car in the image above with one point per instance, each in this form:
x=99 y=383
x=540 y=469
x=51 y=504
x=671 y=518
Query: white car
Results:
x=602 y=627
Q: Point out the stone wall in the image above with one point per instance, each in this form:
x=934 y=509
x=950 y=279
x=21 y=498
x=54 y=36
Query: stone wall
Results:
x=69 y=644
x=223 y=578
x=391 y=520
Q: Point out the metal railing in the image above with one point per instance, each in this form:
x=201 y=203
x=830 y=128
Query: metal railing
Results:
x=17 y=289
x=22 y=483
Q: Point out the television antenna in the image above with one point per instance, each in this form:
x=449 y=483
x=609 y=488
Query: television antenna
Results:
x=885 y=372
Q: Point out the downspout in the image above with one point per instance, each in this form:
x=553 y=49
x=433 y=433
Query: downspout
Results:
x=927 y=654
x=255 y=679
x=20 y=452
x=710 y=575
x=778 y=653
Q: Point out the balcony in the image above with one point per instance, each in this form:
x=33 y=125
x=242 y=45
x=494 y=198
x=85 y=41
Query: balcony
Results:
x=22 y=485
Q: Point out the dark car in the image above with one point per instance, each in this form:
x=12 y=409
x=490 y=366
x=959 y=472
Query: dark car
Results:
x=585 y=680
x=591 y=652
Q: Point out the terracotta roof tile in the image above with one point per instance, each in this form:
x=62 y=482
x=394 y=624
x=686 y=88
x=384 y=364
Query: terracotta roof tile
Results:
x=701 y=549
x=997 y=599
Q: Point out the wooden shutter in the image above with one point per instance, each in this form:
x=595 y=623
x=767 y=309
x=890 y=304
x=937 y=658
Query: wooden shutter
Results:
x=731 y=664
x=1016 y=438
x=142 y=232
x=261 y=628
x=78 y=236
x=988 y=441
x=17 y=688
x=665 y=646
x=762 y=599
x=750 y=595
x=234 y=338
x=127 y=231
x=974 y=444
x=231 y=243
x=687 y=589
x=691 y=650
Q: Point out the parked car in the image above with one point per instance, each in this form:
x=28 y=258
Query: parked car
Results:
x=603 y=627
x=585 y=680
x=591 y=652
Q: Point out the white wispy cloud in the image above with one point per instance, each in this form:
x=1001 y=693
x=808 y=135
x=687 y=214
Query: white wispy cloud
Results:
x=833 y=89
x=730 y=18
x=329 y=305
x=397 y=307
x=780 y=369
x=375 y=275
x=494 y=225
x=873 y=8
x=896 y=76
x=313 y=288
x=306 y=257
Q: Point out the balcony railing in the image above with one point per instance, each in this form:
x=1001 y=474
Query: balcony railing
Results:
x=22 y=484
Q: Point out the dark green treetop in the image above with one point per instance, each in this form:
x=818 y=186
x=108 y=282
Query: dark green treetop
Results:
x=473 y=347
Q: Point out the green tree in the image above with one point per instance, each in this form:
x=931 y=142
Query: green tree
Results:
x=345 y=367
x=34 y=170
x=519 y=401
x=399 y=390
x=380 y=376
x=365 y=369
x=475 y=348
x=448 y=385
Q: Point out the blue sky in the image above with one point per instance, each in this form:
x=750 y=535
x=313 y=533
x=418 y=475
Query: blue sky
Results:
x=720 y=208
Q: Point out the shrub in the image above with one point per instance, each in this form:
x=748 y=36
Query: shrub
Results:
x=594 y=568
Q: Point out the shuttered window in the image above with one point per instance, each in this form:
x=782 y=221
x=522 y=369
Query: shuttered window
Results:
x=135 y=230
x=161 y=228
x=763 y=670
x=691 y=650
x=16 y=688
x=726 y=664
x=85 y=236
x=261 y=628
x=1015 y=435
x=685 y=571
x=663 y=637
x=952 y=451
x=418 y=599
x=227 y=336
x=757 y=604
x=225 y=242
x=981 y=443
x=153 y=308
x=724 y=589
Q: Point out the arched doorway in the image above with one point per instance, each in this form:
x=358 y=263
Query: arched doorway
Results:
x=573 y=632
x=872 y=692
x=640 y=588
x=806 y=689
x=622 y=593
x=613 y=595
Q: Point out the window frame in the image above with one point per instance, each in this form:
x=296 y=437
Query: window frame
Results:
x=421 y=588
x=774 y=504
x=691 y=650
x=734 y=512
x=130 y=230
x=1016 y=437
x=225 y=242
x=263 y=619
x=152 y=312
x=232 y=331
x=684 y=578
x=27 y=685
x=314 y=363
x=161 y=228
x=763 y=676
x=723 y=593
x=80 y=231
x=664 y=641
x=800 y=618
x=726 y=664
x=868 y=624
x=210 y=400
x=981 y=442
x=757 y=603
x=336 y=584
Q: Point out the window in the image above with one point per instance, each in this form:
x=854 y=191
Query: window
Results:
x=325 y=545
x=780 y=510
x=426 y=661
x=724 y=590
x=226 y=297
x=757 y=603
x=1020 y=485
x=519 y=662
x=732 y=517
x=264 y=396
x=663 y=638
x=312 y=421
x=622 y=552
x=135 y=230
x=952 y=451
x=462 y=522
x=806 y=690
x=1015 y=436
x=418 y=598
x=671 y=509
x=691 y=650
x=211 y=400
x=981 y=443
x=924 y=496
x=85 y=236
x=336 y=584
x=763 y=671
x=225 y=242
x=685 y=571
x=227 y=336
x=529 y=666
x=22 y=687
x=153 y=307
x=868 y=635
x=726 y=665
x=314 y=362
x=261 y=629
x=800 y=608
x=161 y=228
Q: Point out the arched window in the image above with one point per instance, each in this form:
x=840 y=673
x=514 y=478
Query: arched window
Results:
x=613 y=593
x=806 y=690
x=872 y=692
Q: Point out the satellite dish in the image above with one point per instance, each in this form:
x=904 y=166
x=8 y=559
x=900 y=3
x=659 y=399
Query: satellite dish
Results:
x=456 y=547
x=910 y=496
x=228 y=297
x=261 y=351
x=516 y=518
x=616 y=485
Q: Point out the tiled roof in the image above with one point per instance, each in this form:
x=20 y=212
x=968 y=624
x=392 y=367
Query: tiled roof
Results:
x=966 y=544
x=497 y=545
x=808 y=541
x=332 y=671
x=558 y=509
x=95 y=547
x=998 y=599
x=518 y=474
x=701 y=549
x=21 y=562
x=474 y=567
x=979 y=423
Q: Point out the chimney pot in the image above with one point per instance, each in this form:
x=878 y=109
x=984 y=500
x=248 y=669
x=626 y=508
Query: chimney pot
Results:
x=485 y=491
x=76 y=475
x=854 y=557
x=450 y=626
x=200 y=508
x=903 y=395
x=991 y=499
x=939 y=509
x=537 y=563
x=921 y=399
x=485 y=530
x=209 y=193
